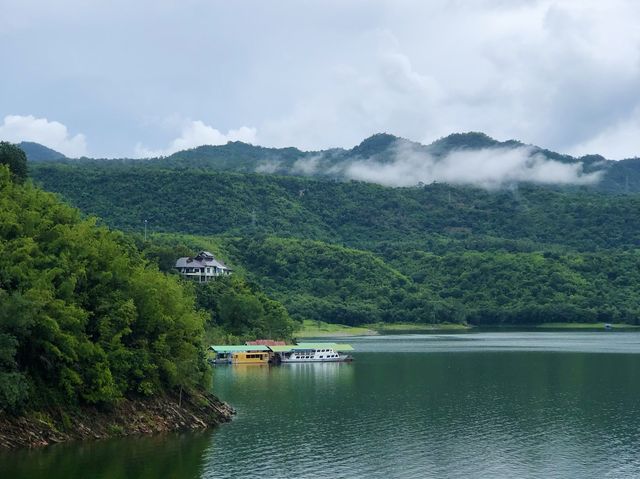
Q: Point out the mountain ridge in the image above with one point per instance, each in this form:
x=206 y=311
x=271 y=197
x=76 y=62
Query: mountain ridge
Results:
x=379 y=151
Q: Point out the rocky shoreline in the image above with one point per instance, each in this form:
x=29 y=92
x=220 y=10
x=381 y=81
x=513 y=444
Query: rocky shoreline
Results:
x=129 y=417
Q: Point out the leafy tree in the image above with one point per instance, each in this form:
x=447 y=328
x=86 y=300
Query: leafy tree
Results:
x=12 y=156
x=83 y=317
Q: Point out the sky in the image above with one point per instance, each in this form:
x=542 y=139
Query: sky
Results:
x=115 y=78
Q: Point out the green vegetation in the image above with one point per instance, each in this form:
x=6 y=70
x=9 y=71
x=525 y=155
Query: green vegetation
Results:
x=615 y=176
x=15 y=159
x=240 y=312
x=83 y=317
x=314 y=329
x=416 y=327
x=359 y=254
x=433 y=218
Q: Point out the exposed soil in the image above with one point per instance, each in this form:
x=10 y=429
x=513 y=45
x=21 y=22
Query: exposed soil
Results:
x=128 y=417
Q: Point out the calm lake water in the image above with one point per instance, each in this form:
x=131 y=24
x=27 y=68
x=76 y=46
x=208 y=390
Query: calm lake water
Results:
x=475 y=405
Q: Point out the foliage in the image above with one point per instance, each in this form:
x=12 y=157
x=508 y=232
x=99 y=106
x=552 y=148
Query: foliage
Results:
x=12 y=156
x=243 y=311
x=355 y=214
x=357 y=253
x=83 y=317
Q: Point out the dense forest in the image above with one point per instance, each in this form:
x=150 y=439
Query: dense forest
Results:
x=328 y=282
x=87 y=317
x=380 y=149
x=355 y=214
x=83 y=318
x=358 y=253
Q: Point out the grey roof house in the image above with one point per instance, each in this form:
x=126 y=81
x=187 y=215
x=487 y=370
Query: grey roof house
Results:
x=202 y=268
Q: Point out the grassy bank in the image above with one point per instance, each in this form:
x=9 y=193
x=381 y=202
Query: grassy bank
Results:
x=311 y=329
x=320 y=328
x=418 y=327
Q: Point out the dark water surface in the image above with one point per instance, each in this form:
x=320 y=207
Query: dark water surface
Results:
x=478 y=405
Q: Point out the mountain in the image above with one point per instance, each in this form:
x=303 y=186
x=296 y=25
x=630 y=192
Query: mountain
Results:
x=462 y=158
x=36 y=152
x=357 y=252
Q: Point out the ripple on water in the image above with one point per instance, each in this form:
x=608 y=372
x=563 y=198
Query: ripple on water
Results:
x=499 y=405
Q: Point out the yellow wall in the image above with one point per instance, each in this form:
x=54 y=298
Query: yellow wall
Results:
x=257 y=357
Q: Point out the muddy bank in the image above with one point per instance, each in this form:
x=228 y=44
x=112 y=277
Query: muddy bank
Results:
x=129 y=417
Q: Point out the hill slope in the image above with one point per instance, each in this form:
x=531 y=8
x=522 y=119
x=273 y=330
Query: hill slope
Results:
x=356 y=214
x=359 y=253
x=387 y=159
x=83 y=318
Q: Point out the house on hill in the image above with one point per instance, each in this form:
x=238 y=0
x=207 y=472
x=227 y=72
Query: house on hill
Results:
x=202 y=268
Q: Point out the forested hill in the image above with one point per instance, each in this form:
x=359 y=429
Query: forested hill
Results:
x=356 y=252
x=377 y=156
x=84 y=318
x=356 y=214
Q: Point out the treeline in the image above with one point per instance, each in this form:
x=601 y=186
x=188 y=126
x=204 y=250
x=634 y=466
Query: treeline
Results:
x=321 y=281
x=237 y=310
x=84 y=318
x=355 y=214
x=357 y=253
x=621 y=177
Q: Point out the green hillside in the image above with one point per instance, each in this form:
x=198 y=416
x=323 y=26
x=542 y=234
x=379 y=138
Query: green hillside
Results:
x=356 y=214
x=359 y=253
x=84 y=319
x=334 y=164
x=327 y=282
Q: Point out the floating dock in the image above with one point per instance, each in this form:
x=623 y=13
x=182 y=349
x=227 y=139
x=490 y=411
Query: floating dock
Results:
x=279 y=353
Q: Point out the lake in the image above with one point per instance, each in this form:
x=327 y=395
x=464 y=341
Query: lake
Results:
x=470 y=405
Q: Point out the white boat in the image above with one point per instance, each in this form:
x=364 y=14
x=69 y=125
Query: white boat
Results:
x=315 y=353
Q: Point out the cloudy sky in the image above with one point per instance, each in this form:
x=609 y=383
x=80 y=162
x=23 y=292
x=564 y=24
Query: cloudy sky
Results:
x=147 y=77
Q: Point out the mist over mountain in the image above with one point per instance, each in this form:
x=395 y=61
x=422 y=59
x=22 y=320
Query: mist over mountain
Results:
x=472 y=158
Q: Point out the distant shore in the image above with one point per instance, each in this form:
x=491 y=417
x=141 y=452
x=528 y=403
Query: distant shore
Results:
x=319 y=328
x=129 y=417
x=586 y=326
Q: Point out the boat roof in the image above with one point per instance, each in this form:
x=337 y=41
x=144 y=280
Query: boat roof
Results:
x=225 y=348
x=282 y=349
x=286 y=348
x=334 y=346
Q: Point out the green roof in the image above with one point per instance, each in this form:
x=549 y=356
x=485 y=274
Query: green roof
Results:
x=334 y=346
x=282 y=349
x=225 y=348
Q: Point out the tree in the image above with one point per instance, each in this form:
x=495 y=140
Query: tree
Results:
x=15 y=159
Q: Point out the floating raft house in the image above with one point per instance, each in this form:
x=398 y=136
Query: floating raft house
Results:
x=263 y=353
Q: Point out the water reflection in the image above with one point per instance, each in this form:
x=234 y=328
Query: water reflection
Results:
x=160 y=456
x=497 y=405
x=443 y=406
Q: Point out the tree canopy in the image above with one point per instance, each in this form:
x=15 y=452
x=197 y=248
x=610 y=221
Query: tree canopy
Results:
x=84 y=318
x=12 y=156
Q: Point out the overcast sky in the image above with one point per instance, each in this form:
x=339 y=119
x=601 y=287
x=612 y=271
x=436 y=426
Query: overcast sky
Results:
x=145 y=77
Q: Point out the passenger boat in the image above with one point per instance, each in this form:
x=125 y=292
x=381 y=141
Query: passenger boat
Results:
x=313 y=353
x=279 y=353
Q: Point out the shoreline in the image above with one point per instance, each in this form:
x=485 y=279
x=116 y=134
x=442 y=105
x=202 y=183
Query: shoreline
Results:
x=139 y=416
x=319 y=329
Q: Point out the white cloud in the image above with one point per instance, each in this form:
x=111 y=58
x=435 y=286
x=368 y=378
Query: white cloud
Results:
x=196 y=133
x=268 y=166
x=17 y=128
x=307 y=166
x=557 y=73
x=487 y=168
